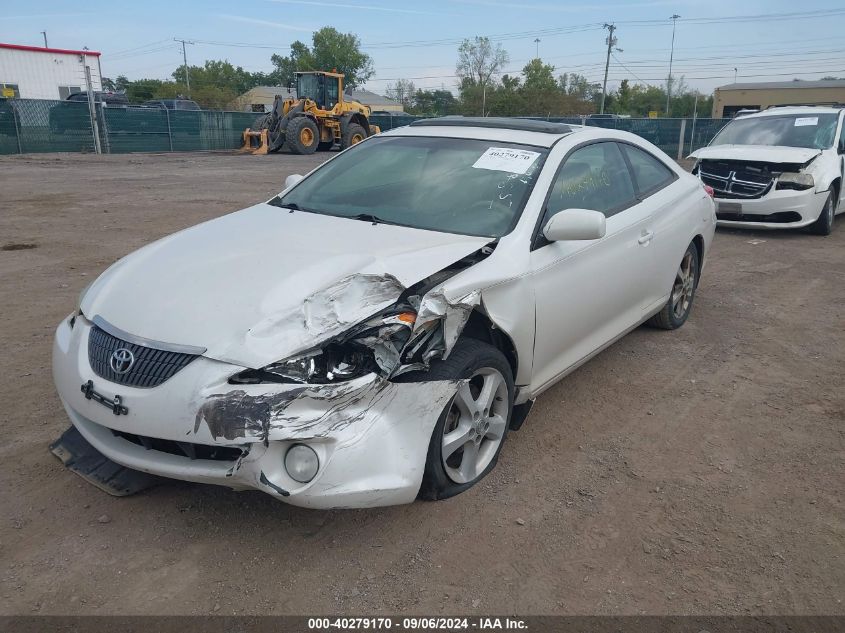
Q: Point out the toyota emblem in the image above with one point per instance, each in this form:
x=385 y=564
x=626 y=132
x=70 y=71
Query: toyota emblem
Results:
x=121 y=360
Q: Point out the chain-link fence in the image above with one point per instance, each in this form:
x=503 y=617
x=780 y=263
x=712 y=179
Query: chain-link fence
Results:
x=30 y=125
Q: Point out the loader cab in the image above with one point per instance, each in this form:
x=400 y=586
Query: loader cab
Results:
x=323 y=88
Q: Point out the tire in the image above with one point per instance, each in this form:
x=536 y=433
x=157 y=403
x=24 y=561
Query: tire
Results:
x=824 y=225
x=352 y=135
x=677 y=309
x=302 y=136
x=448 y=475
x=325 y=146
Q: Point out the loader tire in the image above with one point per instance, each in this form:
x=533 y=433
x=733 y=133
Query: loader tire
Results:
x=302 y=136
x=352 y=135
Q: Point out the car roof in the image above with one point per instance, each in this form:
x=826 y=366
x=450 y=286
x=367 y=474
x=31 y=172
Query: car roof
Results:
x=792 y=110
x=520 y=131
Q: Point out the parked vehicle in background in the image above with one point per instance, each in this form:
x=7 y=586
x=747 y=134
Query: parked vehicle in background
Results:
x=72 y=113
x=173 y=104
x=370 y=334
x=780 y=168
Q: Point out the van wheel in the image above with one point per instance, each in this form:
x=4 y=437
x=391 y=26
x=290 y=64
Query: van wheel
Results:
x=470 y=432
x=677 y=309
x=824 y=225
x=302 y=136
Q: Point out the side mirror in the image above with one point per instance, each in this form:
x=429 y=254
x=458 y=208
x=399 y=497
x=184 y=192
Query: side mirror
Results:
x=575 y=224
x=291 y=180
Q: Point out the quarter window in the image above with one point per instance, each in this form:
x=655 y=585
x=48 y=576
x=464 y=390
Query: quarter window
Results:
x=593 y=177
x=650 y=174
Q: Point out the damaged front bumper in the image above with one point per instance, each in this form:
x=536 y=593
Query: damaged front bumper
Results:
x=370 y=435
x=778 y=209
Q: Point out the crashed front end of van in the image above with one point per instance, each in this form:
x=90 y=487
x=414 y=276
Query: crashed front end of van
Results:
x=330 y=425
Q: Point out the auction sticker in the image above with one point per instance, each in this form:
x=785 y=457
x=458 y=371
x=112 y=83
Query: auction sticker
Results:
x=806 y=120
x=515 y=161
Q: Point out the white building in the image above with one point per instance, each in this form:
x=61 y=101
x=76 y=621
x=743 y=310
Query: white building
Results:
x=31 y=72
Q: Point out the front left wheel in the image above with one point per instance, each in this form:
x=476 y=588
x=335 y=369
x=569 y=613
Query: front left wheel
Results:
x=824 y=224
x=470 y=432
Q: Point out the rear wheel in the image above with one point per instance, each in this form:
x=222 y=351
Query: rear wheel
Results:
x=302 y=136
x=677 y=309
x=352 y=135
x=824 y=225
x=470 y=432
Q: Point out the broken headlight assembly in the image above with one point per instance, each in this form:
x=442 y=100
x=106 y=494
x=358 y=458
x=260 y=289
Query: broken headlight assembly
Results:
x=797 y=181
x=372 y=346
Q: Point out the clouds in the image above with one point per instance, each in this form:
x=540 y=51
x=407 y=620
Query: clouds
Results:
x=269 y=23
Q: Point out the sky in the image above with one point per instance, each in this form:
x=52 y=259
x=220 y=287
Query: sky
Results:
x=715 y=40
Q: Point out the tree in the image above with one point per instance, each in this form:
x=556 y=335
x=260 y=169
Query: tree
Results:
x=108 y=84
x=479 y=60
x=402 y=91
x=218 y=74
x=434 y=102
x=330 y=50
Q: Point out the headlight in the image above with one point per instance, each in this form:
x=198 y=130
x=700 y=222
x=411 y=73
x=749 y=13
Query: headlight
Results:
x=369 y=346
x=795 y=181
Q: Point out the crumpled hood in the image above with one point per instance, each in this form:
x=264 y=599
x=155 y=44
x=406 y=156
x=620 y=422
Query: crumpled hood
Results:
x=262 y=284
x=762 y=153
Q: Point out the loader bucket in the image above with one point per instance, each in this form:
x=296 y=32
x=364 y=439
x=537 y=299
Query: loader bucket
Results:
x=254 y=142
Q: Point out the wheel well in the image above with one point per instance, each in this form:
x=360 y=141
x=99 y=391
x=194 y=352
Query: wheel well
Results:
x=480 y=327
x=356 y=117
x=698 y=242
x=835 y=187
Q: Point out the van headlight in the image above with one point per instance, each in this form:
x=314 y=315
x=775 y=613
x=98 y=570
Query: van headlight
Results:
x=795 y=181
x=368 y=347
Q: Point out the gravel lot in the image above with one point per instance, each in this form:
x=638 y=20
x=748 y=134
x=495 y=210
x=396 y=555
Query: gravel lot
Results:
x=697 y=471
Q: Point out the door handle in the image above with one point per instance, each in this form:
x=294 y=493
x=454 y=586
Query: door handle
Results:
x=645 y=238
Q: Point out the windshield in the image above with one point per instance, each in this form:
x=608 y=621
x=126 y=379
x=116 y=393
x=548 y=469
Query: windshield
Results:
x=814 y=131
x=308 y=86
x=452 y=185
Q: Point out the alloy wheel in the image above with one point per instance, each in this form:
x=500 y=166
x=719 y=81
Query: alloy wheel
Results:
x=475 y=425
x=684 y=287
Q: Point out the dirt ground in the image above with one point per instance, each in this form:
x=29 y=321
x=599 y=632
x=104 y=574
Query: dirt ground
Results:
x=689 y=472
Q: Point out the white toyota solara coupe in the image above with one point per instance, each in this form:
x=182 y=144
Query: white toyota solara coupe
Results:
x=370 y=335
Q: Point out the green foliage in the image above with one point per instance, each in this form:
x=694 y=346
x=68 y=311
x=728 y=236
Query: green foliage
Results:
x=433 y=103
x=330 y=50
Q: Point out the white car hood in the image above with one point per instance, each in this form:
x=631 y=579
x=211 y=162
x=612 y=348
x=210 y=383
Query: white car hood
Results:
x=763 y=153
x=263 y=284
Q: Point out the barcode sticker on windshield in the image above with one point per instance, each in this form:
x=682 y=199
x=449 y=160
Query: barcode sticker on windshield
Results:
x=515 y=161
x=806 y=120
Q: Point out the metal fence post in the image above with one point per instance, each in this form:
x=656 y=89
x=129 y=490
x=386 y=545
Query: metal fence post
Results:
x=681 y=139
x=91 y=111
x=105 y=127
x=169 y=131
x=17 y=126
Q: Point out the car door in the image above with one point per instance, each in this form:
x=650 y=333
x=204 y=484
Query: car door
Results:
x=672 y=218
x=588 y=293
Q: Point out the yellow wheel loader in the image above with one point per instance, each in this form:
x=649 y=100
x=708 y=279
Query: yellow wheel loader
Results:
x=317 y=119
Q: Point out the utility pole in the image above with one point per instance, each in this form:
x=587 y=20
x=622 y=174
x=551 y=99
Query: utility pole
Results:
x=44 y=33
x=735 y=75
x=675 y=16
x=185 y=62
x=537 y=42
x=611 y=42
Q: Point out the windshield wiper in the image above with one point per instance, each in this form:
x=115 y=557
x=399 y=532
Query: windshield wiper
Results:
x=369 y=217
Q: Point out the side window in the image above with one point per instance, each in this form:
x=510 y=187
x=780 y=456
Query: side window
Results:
x=650 y=174
x=840 y=142
x=331 y=92
x=593 y=177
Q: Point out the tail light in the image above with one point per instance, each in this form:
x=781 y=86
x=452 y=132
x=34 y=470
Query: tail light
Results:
x=710 y=191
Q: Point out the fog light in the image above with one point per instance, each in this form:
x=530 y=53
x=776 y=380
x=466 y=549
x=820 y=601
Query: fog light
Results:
x=302 y=463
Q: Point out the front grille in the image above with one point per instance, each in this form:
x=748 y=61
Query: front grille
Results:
x=151 y=367
x=737 y=180
x=183 y=449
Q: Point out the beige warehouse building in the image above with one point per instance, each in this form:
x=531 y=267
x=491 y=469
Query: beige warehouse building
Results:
x=730 y=99
x=260 y=99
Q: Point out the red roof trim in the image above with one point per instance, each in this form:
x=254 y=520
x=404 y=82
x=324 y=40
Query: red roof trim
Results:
x=41 y=49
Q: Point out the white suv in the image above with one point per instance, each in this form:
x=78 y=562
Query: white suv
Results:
x=781 y=168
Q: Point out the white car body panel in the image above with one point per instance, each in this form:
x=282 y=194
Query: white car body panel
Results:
x=279 y=283
x=827 y=166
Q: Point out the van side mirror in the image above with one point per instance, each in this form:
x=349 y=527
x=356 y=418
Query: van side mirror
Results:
x=575 y=224
x=291 y=180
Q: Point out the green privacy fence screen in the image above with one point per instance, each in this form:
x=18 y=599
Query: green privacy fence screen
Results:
x=36 y=125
